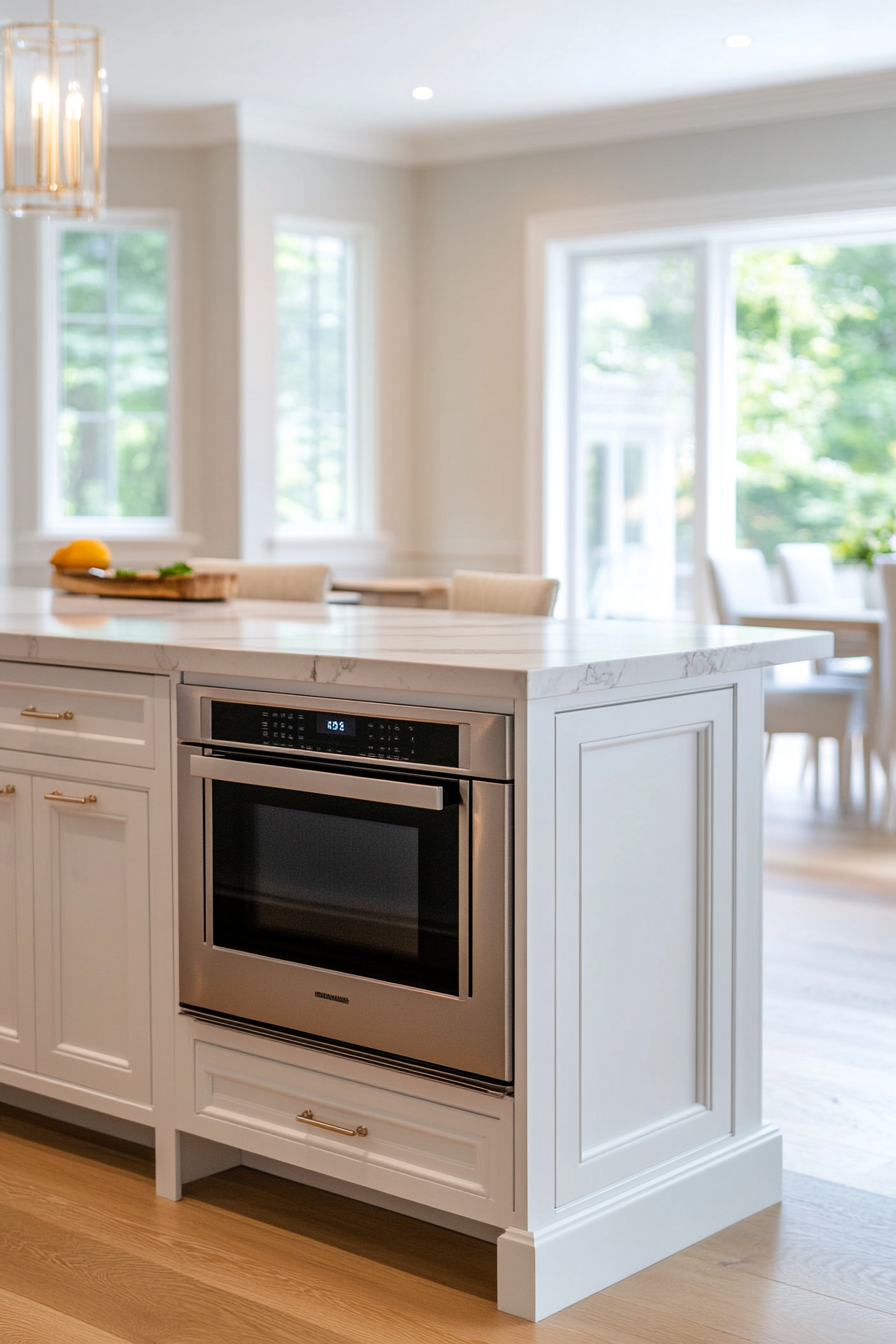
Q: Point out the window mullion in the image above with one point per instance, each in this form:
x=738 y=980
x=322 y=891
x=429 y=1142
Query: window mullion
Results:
x=111 y=390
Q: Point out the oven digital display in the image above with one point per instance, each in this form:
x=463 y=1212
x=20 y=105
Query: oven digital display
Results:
x=337 y=725
x=288 y=728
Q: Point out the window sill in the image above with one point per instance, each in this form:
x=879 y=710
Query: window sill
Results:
x=362 y=553
x=37 y=547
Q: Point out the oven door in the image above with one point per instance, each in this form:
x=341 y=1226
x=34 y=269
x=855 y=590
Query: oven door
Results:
x=338 y=904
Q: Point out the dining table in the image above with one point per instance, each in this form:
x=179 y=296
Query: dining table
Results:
x=857 y=633
x=391 y=592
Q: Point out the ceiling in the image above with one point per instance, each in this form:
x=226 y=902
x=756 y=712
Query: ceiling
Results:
x=351 y=64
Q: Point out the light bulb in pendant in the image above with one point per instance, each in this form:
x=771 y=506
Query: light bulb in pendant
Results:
x=74 y=109
x=40 y=131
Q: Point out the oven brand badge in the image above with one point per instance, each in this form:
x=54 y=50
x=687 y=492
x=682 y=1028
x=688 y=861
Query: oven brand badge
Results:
x=336 y=998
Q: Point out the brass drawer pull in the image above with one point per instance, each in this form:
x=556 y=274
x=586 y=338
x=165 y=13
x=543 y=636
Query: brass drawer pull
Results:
x=9 y=788
x=359 y=1133
x=33 y=713
x=58 y=797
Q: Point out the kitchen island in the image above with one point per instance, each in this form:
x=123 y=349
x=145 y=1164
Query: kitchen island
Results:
x=631 y=1123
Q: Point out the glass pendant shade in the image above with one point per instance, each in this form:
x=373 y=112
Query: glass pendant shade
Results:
x=54 y=120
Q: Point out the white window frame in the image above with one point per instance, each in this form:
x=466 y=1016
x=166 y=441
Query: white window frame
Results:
x=52 y=524
x=713 y=228
x=362 y=447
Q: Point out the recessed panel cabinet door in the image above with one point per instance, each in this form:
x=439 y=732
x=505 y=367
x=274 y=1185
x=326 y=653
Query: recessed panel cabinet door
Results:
x=91 y=914
x=16 y=923
x=645 y=797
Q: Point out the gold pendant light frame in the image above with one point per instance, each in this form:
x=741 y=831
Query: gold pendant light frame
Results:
x=54 y=120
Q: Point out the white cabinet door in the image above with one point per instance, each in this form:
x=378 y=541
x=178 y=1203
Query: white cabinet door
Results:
x=16 y=923
x=645 y=798
x=91 y=915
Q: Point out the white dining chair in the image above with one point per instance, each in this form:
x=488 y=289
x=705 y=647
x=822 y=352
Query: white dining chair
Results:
x=820 y=705
x=276 y=583
x=886 y=567
x=808 y=574
x=740 y=582
x=512 y=594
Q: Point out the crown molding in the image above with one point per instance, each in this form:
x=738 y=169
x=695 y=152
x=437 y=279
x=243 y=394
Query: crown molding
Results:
x=679 y=116
x=260 y=123
x=250 y=123
x=270 y=124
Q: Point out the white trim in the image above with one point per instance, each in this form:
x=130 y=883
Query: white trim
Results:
x=674 y=116
x=6 y=476
x=262 y=123
x=49 y=525
x=251 y=123
x=363 y=473
x=713 y=224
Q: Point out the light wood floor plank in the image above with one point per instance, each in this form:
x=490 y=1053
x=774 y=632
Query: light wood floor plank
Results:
x=23 y=1321
x=251 y=1252
x=825 y=1238
x=130 y=1296
x=764 y=1310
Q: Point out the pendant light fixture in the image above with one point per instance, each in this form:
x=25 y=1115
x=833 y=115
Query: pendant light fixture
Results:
x=54 y=119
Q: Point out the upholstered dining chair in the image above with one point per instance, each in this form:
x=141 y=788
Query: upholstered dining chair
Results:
x=808 y=573
x=886 y=567
x=818 y=706
x=512 y=594
x=740 y=582
x=277 y=583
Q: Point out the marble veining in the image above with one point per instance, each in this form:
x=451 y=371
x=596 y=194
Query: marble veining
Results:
x=396 y=648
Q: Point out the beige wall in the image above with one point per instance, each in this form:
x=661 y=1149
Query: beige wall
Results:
x=314 y=186
x=203 y=187
x=471 y=300
x=226 y=198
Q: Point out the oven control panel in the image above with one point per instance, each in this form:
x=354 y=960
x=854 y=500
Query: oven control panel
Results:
x=385 y=739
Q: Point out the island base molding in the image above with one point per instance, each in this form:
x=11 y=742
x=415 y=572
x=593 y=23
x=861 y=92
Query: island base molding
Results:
x=542 y=1272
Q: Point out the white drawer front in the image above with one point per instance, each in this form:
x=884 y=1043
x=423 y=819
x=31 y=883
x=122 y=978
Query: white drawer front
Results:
x=102 y=716
x=461 y=1153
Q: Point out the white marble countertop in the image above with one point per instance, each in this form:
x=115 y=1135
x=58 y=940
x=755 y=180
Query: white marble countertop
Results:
x=394 y=648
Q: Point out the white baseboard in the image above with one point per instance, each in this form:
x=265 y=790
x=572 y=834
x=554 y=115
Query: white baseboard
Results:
x=542 y=1272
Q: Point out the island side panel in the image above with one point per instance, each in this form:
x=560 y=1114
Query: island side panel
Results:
x=639 y=1125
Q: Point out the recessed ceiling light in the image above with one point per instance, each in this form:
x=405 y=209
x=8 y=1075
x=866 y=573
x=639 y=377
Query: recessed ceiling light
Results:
x=738 y=40
x=422 y=93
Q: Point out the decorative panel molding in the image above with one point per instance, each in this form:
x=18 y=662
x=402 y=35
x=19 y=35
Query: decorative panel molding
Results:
x=644 y=942
x=16 y=923
x=92 y=936
x=84 y=715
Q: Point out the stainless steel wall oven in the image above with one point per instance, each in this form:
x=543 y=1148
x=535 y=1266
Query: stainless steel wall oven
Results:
x=345 y=876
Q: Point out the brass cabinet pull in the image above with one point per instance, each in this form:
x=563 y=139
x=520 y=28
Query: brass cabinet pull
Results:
x=58 y=797
x=33 y=713
x=359 y=1133
x=9 y=788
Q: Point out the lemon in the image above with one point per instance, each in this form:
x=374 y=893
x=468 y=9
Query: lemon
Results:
x=85 y=553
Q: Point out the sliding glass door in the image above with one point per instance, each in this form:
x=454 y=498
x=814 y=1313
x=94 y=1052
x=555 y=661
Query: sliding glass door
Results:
x=632 y=500
x=734 y=385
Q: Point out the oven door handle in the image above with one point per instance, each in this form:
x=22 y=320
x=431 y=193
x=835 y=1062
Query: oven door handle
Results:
x=391 y=791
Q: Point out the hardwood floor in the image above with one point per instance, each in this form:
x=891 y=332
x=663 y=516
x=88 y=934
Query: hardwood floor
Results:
x=830 y=982
x=90 y=1256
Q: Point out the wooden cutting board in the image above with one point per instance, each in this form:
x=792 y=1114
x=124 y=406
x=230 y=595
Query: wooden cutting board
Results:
x=176 y=588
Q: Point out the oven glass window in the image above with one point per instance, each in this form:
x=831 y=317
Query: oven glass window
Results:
x=366 y=888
